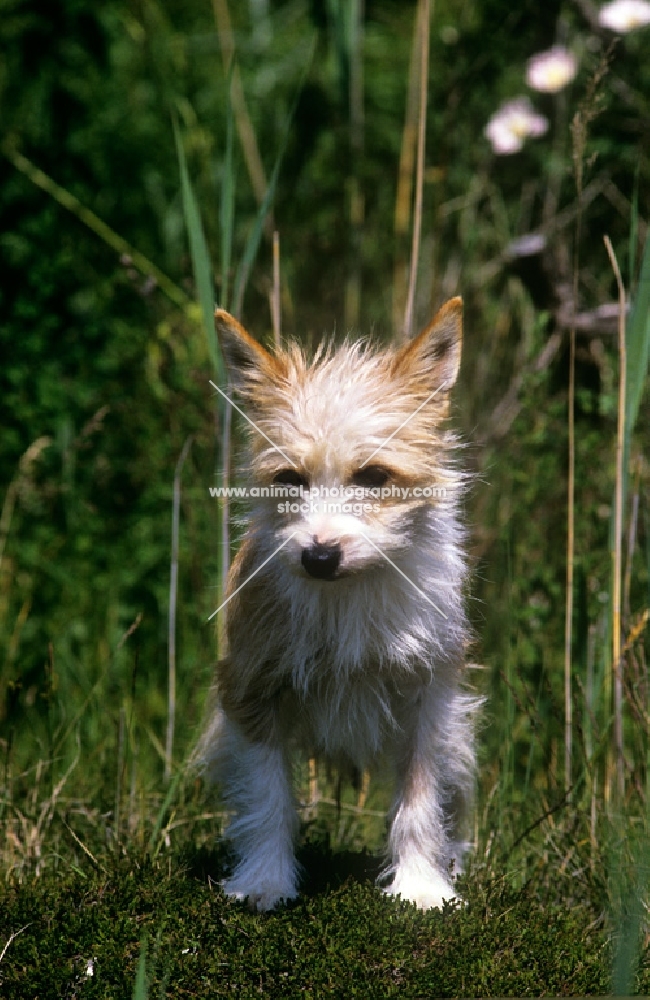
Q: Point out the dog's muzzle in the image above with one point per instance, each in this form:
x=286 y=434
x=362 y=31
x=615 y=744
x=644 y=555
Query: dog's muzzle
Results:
x=322 y=561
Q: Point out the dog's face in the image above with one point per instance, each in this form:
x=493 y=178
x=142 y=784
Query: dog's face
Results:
x=350 y=448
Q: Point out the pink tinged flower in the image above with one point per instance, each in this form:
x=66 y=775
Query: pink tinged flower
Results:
x=512 y=124
x=550 y=71
x=624 y=15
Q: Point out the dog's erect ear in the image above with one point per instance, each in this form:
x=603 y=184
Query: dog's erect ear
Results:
x=434 y=355
x=246 y=360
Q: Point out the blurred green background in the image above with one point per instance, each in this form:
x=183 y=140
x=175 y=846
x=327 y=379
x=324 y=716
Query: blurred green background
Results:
x=105 y=364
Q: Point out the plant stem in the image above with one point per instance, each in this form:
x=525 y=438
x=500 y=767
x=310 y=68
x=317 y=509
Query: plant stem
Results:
x=419 y=175
x=618 y=531
x=173 y=590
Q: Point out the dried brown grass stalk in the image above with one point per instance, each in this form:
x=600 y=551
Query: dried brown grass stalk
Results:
x=404 y=196
x=275 y=293
x=424 y=7
x=10 y=940
x=357 y=142
x=568 y=617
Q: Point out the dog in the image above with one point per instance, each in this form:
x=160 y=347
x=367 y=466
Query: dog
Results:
x=345 y=620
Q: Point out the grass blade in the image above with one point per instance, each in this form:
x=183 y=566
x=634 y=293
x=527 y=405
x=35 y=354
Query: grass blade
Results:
x=638 y=346
x=637 y=350
x=202 y=268
x=199 y=253
x=141 y=987
x=173 y=595
x=629 y=918
x=227 y=220
x=617 y=551
x=634 y=231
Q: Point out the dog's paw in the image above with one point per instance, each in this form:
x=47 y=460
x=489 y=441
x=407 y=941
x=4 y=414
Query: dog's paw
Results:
x=428 y=890
x=259 y=895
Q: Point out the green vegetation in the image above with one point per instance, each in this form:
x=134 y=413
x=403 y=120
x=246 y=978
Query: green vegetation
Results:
x=344 y=941
x=122 y=125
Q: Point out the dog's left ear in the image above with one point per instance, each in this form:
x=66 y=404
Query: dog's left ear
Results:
x=248 y=363
x=434 y=355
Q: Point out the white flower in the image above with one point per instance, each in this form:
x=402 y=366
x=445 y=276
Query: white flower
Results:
x=512 y=124
x=526 y=246
x=624 y=15
x=550 y=71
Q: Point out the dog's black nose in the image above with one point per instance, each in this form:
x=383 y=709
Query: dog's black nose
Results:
x=322 y=561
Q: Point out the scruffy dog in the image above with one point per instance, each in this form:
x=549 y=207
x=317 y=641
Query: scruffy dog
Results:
x=345 y=622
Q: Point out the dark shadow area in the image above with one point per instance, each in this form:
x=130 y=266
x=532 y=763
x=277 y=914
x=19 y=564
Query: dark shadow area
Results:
x=208 y=864
x=322 y=867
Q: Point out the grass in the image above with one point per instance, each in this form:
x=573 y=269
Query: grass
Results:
x=141 y=904
x=111 y=878
x=142 y=908
x=343 y=937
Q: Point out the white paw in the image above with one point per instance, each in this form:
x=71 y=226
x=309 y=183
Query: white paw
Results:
x=427 y=889
x=259 y=894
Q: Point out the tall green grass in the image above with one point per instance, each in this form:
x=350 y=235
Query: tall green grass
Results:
x=632 y=865
x=527 y=827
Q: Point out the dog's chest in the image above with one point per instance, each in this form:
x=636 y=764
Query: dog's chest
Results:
x=351 y=714
x=350 y=675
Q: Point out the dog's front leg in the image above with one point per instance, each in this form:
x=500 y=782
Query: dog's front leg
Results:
x=257 y=787
x=432 y=797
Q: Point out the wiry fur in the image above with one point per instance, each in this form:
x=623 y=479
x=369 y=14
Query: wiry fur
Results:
x=365 y=667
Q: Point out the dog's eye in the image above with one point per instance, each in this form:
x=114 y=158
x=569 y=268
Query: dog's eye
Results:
x=370 y=476
x=291 y=477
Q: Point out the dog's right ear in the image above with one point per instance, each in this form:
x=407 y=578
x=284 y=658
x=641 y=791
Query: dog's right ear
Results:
x=433 y=357
x=246 y=360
